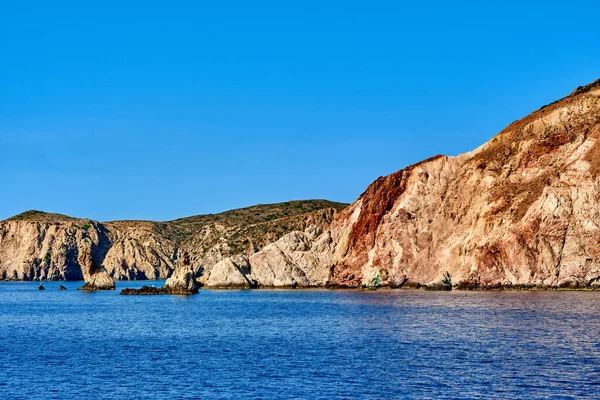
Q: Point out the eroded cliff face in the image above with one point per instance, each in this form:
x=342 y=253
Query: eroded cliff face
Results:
x=523 y=209
x=68 y=249
x=41 y=246
x=278 y=264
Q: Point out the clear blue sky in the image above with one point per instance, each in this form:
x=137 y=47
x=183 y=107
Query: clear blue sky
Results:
x=143 y=110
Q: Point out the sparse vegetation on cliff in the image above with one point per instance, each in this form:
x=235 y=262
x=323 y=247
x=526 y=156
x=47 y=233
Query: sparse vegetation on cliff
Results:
x=146 y=249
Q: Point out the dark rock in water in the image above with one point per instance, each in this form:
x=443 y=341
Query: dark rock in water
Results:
x=92 y=287
x=61 y=287
x=494 y=286
x=41 y=287
x=182 y=282
x=367 y=287
x=412 y=284
x=445 y=284
x=436 y=287
x=447 y=281
x=568 y=284
x=468 y=285
x=144 y=290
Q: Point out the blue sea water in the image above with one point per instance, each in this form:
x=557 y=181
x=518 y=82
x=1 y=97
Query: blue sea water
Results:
x=297 y=344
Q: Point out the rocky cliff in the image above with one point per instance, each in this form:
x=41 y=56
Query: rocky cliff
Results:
x=36 y=245
x=522 y=210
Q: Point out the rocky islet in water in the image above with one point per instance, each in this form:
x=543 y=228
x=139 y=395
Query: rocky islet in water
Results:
x=182 y=282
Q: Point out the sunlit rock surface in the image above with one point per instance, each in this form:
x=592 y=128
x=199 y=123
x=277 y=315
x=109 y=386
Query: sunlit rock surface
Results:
x=42 y=246
x=520 y=211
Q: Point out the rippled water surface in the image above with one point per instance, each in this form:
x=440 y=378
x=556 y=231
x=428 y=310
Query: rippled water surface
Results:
x=298 y=344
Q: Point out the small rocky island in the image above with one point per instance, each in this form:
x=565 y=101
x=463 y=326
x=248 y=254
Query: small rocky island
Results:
x=182 y=282
x=95 y=276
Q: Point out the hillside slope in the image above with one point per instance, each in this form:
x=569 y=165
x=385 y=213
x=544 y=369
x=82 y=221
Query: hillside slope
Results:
x=522 y=210
x=36 y=245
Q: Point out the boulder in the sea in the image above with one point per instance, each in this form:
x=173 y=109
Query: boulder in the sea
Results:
x=398 y=282
x=231 y=273
x=95 y=276
x=144 y=290
x=182 y=281
x=99 y=281
x=61 y=287
x=41 y=287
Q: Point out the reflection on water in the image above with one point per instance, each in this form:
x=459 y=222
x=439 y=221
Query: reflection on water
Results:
x=298 y=344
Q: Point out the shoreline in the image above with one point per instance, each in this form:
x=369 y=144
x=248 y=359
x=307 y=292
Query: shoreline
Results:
x=424 y=288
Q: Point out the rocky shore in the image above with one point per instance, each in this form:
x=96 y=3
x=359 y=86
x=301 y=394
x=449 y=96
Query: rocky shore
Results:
x=182 y=282
x=42 y=246
x=521 y=212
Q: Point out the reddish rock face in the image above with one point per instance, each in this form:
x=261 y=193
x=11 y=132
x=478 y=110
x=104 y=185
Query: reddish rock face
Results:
x=523 y=209
x=377 y=200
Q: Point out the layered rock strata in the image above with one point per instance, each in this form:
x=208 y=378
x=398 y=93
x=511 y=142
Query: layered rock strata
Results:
x=41 y=246
x=521 y=211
